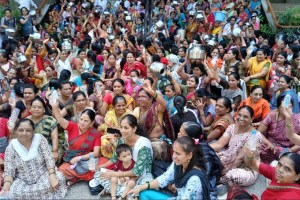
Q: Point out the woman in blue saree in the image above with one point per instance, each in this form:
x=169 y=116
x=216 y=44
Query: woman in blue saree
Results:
x=284 y=89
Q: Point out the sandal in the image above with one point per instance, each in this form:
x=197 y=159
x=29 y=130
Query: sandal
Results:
x=70 y=183
x=103 y=193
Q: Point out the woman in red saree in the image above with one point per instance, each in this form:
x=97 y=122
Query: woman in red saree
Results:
x=132 y=64
x=285 y=177
x=84 y=142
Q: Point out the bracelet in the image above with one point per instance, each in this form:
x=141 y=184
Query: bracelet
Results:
x=155 y=95
x=8 y=182
x=123 y=174
x=148 y=185
x=52 y=173
x=202 y=114
x=54 y=151
x=249 y=158
x=288 y=125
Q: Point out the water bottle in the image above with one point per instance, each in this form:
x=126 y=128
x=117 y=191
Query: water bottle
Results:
x=54 y=96
x=92 y=163
x=287 y=101
x=252 y=140
x=98 y=89
x=138 y=81
x=12 y=94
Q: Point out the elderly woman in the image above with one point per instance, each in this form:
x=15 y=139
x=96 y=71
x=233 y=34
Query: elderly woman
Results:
x=173 y=64
x=274 y=129
x=229 y=147
x=259 y=69
x=142 y=154
x=150 y=112
x=24 y=153
x=111 y=125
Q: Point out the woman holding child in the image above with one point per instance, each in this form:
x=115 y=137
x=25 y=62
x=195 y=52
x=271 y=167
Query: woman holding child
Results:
x=141 y=153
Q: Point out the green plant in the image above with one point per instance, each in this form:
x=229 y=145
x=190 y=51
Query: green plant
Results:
x=291 y=34
x=291 y=17
x=14 y=9
x=268 y=30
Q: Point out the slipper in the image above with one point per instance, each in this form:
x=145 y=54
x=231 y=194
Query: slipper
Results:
x=70 y=183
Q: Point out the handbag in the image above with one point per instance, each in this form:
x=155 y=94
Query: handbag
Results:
x=82 y=167
x=3 y=144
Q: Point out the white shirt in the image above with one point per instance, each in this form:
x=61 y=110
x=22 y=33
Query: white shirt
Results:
x=26 y=4
x=101 y=3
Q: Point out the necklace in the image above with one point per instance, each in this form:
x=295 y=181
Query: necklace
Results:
x=142 y=115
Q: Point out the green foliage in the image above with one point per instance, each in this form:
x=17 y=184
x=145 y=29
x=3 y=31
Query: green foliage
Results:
x=291 y=17
x=14 y=9
x=268 y=30
x=291 y=34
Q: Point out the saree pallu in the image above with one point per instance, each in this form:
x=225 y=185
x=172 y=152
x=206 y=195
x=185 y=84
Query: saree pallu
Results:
x=80 y=145
x=221 y=124
x=191 y=29
x=256 y=68
x=45 y=127
x=261 y=108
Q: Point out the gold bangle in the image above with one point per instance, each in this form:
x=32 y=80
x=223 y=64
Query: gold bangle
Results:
x=7 y=182
x=249 y=158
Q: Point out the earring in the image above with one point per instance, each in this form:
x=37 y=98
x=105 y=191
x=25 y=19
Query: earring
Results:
x=188 y=161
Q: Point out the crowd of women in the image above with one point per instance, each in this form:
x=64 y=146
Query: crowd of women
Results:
x=101 y=113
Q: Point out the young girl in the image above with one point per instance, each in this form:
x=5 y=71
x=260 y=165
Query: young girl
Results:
x=124 y=163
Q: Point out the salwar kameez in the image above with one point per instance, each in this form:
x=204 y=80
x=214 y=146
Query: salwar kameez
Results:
x=29 y=170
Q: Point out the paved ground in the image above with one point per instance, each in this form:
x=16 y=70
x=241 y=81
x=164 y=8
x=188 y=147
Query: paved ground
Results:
x=81 y=190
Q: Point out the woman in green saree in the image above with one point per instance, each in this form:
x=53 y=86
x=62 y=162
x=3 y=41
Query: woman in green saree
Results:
x=47 y=126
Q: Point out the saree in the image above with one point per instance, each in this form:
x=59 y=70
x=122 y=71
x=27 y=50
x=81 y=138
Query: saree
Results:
x=111 y=120
x=137 y=66
x=151 y=118
x=78 y=146
x=45 y=127
x=191 y=30
x=261 y=108
x=108 y=98
x=256 y=68
x=221 y=124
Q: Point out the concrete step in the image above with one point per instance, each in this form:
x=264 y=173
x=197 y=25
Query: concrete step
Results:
x=280 y=7
x=43 y=12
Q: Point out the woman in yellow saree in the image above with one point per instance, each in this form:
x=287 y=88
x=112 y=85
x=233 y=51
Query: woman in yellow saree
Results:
x=258 y=69
x=111 y=126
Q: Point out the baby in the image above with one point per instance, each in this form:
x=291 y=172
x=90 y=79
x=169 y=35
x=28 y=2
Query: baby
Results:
x=124 y=163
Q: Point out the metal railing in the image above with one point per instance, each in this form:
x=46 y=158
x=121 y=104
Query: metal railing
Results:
x=41 y=6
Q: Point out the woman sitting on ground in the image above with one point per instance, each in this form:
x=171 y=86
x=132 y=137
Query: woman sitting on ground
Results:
x=27 y=152
x=187 y=172
x=273 y=128
x=229 y=147
x=285 y=177
x=213 y=164
x=84 y=143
